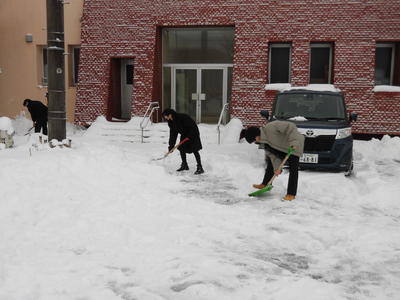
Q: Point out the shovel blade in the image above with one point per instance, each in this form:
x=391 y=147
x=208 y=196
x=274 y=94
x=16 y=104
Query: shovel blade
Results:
x=261 y=191
x=160 y=158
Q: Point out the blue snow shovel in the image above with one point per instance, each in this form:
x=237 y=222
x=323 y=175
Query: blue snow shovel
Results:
x=268 y=187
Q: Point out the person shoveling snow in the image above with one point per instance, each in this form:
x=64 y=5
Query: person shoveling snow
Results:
x=185 y=126
x=277 y=137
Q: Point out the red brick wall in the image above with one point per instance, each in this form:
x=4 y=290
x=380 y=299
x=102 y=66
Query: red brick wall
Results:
x=126 y=27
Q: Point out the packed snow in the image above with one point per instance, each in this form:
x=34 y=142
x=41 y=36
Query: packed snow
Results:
x=103 y=220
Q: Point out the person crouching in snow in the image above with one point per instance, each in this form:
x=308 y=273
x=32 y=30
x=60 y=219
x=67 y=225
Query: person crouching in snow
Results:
x=277 y=136
x=184 y=125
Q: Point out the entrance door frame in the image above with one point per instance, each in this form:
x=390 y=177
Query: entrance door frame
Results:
x=126 y=89
x=114 y=104
x=199 y=68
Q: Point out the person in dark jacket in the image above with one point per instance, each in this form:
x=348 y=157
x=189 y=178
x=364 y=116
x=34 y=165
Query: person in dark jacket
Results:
x=38 y=113
x=276 y=137
x=184 y=125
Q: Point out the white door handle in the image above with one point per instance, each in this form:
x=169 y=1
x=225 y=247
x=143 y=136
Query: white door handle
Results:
x=203 y=97
x=194 y=96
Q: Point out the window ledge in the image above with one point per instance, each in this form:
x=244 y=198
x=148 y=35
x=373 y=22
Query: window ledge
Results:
x=386 y=88
x=278 y=86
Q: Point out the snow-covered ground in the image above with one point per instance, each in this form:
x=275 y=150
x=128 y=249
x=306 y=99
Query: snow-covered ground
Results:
x=103 y=221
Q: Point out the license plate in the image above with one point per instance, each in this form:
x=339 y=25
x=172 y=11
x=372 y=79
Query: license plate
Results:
x=309 y=158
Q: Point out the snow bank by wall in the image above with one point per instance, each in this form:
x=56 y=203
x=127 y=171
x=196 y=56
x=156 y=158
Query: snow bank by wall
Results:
x=231 y=131
x=386 y=148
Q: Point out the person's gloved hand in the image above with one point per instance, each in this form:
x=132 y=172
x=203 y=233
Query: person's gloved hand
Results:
x=291 y=150
x=170 y=148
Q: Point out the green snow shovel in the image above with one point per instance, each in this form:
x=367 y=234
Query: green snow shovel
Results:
x=268 y=187
x=172 y=150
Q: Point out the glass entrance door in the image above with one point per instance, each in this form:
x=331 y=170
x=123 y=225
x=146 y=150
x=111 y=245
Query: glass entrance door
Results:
x=199 y=92
x=186 y=92
x=212 y=89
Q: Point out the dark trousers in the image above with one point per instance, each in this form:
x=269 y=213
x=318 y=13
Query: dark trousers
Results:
x=41 y=124
x=293 y=174
x=196 y=155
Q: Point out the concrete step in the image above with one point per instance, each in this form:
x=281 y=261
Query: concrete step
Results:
x=131 y=131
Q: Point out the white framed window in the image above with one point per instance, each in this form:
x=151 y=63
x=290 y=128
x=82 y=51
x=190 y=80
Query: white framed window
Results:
x=74 y=64
x=321 y=63
x=386 y=72
x=279 y=62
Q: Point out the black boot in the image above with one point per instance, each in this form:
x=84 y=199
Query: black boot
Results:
x=184 y=167
x=199 y=170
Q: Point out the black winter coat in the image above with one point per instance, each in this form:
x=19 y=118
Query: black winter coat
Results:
x=37 y=110
x=185 y=126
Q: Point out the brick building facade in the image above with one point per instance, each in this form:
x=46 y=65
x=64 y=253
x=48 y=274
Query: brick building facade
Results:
x=126 y=29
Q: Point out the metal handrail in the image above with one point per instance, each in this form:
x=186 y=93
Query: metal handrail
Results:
x=220 y=120
x=153 y=106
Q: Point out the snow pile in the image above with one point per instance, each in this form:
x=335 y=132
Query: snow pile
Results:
x=388 y=148
x=6 y=125
x=231 y=132
x=21 y=124
x=96 y=126
x=6 y=133
x=72 y=129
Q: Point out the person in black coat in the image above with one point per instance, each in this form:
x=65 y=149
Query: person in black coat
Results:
x=185 y=126
x=38 y=113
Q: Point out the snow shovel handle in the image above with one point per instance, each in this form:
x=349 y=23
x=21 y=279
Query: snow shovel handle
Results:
x=290 y=152
x=29 y=130
x=180 y=143
x=173 y=149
